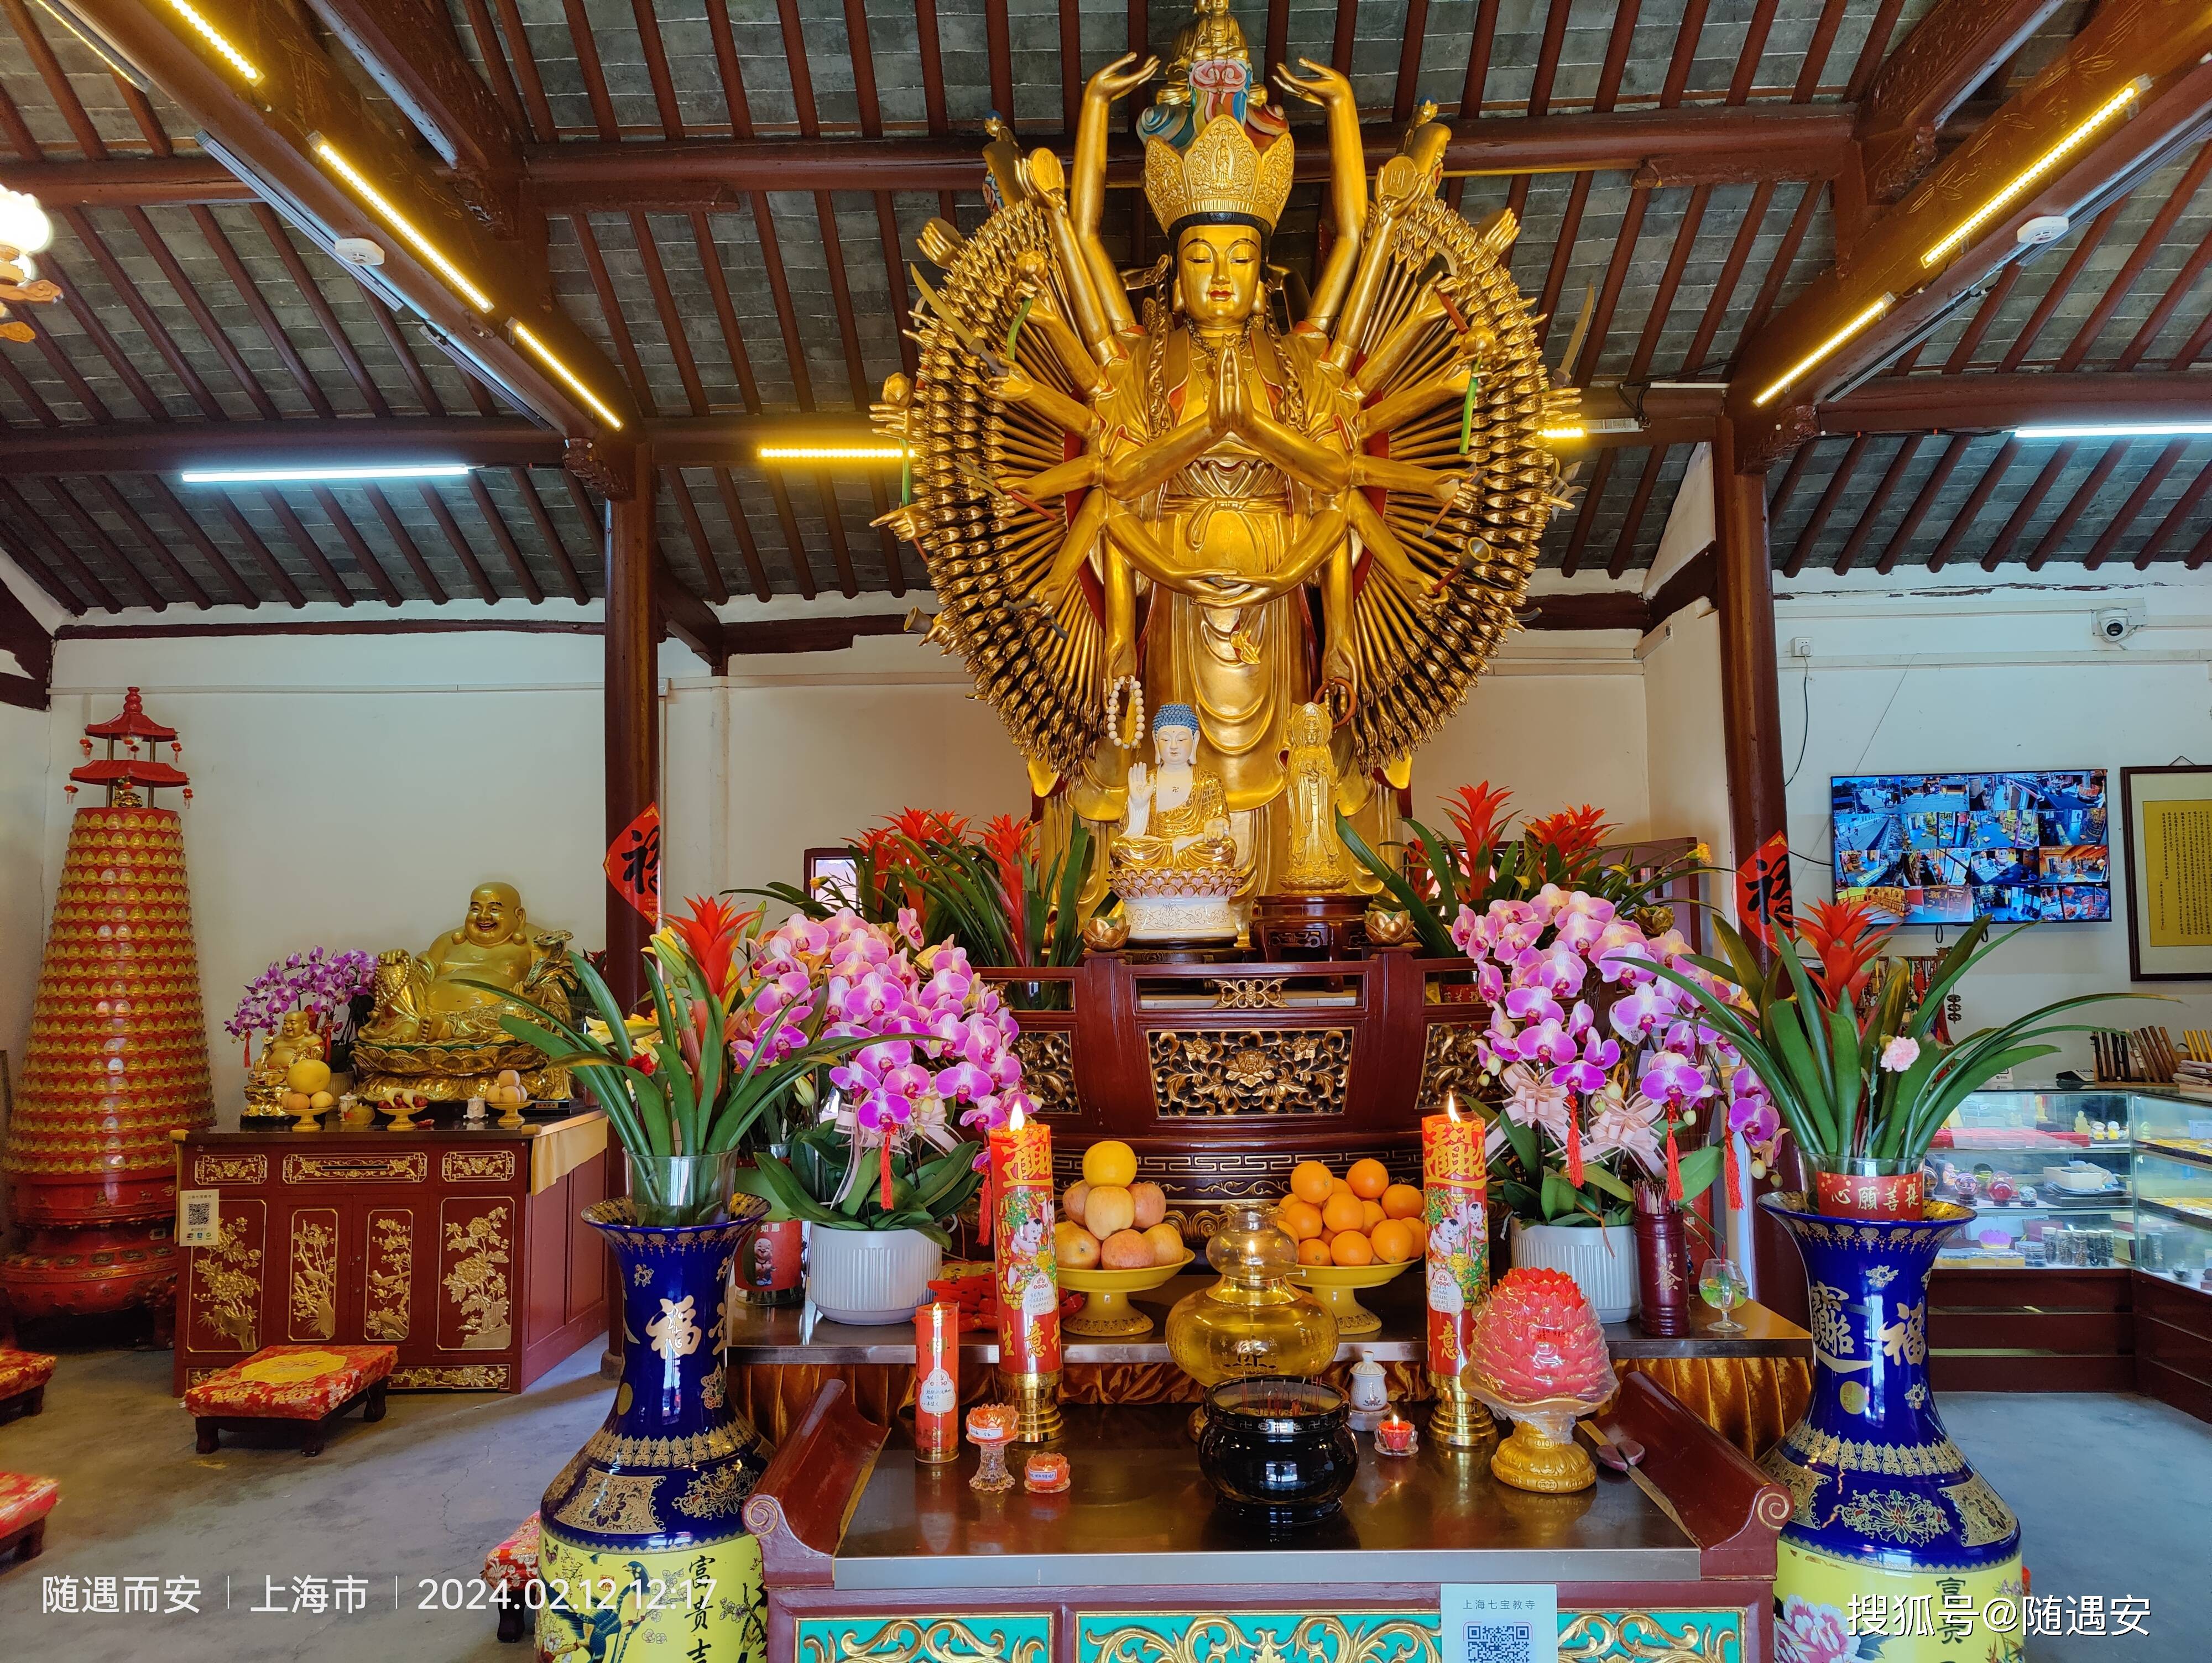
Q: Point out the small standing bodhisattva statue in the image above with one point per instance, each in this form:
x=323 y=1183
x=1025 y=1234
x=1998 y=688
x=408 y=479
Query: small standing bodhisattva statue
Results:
x=1210 y=485
x=434 y=1031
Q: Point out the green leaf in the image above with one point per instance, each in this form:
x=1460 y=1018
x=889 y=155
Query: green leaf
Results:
x=1598 y=1178
x=1434 y=935
x=1698 y=1169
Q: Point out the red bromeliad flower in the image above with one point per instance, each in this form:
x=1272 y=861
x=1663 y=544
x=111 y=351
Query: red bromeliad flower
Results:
x=1006 y=841
x=1575 y=834
x=710 y=933
x=1478 y=818
x=929 y=826
x=1848 y=937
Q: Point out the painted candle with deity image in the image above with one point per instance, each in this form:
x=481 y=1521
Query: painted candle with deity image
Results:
x=1021 y=1237
x=1456 y=1191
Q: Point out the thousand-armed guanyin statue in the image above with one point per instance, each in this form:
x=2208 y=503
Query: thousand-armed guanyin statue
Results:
x=1177 y=492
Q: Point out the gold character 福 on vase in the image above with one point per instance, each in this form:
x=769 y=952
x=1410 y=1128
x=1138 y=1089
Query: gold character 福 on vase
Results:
x=435 y=1033
x=1302 y=529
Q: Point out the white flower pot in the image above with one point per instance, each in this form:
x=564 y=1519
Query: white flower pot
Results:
x=869 y=1276
x=1601 y=1261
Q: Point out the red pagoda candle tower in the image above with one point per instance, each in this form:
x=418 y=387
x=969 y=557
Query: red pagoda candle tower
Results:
x=117 y=1057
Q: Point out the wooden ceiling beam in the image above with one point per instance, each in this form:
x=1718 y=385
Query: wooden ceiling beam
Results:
x=264 y=129
x=486 y=590
x=403 y=540
x=411 y=49
x=684 y=615
x=2118 y=525
x=2167 y=50
x=548 y=533
x=496 y=523
x=364 y=557
x=1990 y=402
x=1951 y=51
x=29 y=526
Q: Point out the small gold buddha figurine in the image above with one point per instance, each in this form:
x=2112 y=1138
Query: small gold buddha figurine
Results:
x=1316 y=853
x=1212 y=34
x=1176 y=858
x=294 y=1041
x=435 y=1029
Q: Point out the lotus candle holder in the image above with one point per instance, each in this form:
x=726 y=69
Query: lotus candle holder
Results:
x=1538 y=1356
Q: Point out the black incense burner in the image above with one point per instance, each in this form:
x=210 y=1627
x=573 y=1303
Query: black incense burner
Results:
x=1279 y=1453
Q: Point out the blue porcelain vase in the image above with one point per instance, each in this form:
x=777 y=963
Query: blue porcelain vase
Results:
x=642 y=1549
x=1896 y=1549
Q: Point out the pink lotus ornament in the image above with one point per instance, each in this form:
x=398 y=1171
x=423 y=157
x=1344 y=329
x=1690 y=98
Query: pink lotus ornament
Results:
x=1538 y=1358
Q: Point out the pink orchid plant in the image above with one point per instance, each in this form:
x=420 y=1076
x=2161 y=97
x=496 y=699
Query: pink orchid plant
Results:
x=1602 y=1067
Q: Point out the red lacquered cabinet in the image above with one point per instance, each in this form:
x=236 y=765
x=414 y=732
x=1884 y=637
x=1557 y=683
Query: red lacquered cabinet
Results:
x=461 y=1247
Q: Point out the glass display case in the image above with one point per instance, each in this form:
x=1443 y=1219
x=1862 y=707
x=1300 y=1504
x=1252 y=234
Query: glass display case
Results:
x=2048 y=1175
x=2173 y=1186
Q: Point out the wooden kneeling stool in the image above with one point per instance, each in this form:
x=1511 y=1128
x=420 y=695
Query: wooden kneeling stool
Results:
x=307 y=1386
x=25 y=1501
x=509 y=1569
x=23 y=1377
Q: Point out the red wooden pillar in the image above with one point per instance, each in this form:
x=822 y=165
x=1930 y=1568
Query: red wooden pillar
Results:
x=1751 y=720
x=633 y=759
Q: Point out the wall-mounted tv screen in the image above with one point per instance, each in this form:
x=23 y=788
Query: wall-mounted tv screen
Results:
x=1947 y=848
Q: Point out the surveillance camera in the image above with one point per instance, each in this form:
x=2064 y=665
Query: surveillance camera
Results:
x=2115 y=625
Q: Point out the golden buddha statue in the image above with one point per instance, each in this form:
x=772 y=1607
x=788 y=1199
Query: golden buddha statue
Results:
x=294 y=1041
x=433 y=1029
x=1173 y=858
x=1144 y=489
x=1317 y=865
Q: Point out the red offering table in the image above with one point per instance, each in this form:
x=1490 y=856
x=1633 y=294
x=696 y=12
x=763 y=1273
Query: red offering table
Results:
x=462 y=1247
x=868 y=1555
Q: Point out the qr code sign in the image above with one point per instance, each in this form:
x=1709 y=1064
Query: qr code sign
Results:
x=199 y=1222
x=1500 y=1642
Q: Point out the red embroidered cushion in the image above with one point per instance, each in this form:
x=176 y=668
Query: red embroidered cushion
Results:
x=25 y=1500
x=291 y=1382
x=513 y=1562
x=24 y=1371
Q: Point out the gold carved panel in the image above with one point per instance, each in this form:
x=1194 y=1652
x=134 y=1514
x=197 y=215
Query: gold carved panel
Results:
x=1048 y=1068
x=463 y=1377
x=212 y=1170
x=411 y=1167
x=476 y=1253
x=1016 y=1637
x=222 y=1283
x=312 y=1312
x=1449 y=1062
x=476 y=1166
x=1214 y=1072
x=388 y=1295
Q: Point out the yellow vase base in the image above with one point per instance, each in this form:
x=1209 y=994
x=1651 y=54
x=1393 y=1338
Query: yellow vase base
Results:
x=1529 y=1461
x=1817 y=1589
x=1108 y=1315
x=600 y=1613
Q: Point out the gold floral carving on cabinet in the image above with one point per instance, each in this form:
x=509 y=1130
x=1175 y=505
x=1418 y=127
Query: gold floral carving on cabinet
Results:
x=230 y=1170
x=314 y=1301
x=465 y=1377
x=617 y=1503
x=1048 y=1068
x=1026 y=1638
x=476 y=1166
x=388 y=1299
x=411 y=1167
x=478 y=1250
x=1248 y=992
x=1218 y=1072
x=1260 y=1637
x=225 y=1283
x=1703 y=1637
x=1451 y=1060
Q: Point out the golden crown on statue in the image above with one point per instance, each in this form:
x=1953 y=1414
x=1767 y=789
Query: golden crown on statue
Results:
x=1222 y=172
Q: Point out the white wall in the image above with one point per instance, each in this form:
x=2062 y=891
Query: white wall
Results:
x=1994 y=677
x=1685 y=757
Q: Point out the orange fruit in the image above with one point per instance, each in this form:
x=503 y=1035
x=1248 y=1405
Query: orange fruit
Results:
x=1340 y=1187
x=1110 y=1161
x=1314 y=1253
x=1310 y=1181
x=1301 y=1220
x=1368 y=1179
x=1419 y=1232
x=1350 y=1248
x=1392 y=1241
x=1370 y=1214
x=1402 y=1201
x=1342 y=1212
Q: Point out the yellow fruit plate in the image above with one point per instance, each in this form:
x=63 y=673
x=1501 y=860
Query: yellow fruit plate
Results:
x=1336 y=1286
x=1107 y=1313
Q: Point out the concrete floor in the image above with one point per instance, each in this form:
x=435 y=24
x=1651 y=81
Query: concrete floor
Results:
x=2115 y=1494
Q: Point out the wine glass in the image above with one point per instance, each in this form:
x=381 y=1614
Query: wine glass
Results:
x=1721 y=1286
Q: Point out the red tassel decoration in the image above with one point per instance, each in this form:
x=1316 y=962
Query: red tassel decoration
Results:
x=1673 y=1166
x=990 y=1202
x=1574 y=1149
x=1735 y=1177
x=883 y=1193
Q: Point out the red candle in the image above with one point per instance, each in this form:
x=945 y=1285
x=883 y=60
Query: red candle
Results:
x=1021 y=1237
x=1456 y=1191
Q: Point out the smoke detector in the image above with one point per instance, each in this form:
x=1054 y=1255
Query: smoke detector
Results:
x=2042 y=228
x=358 y=251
